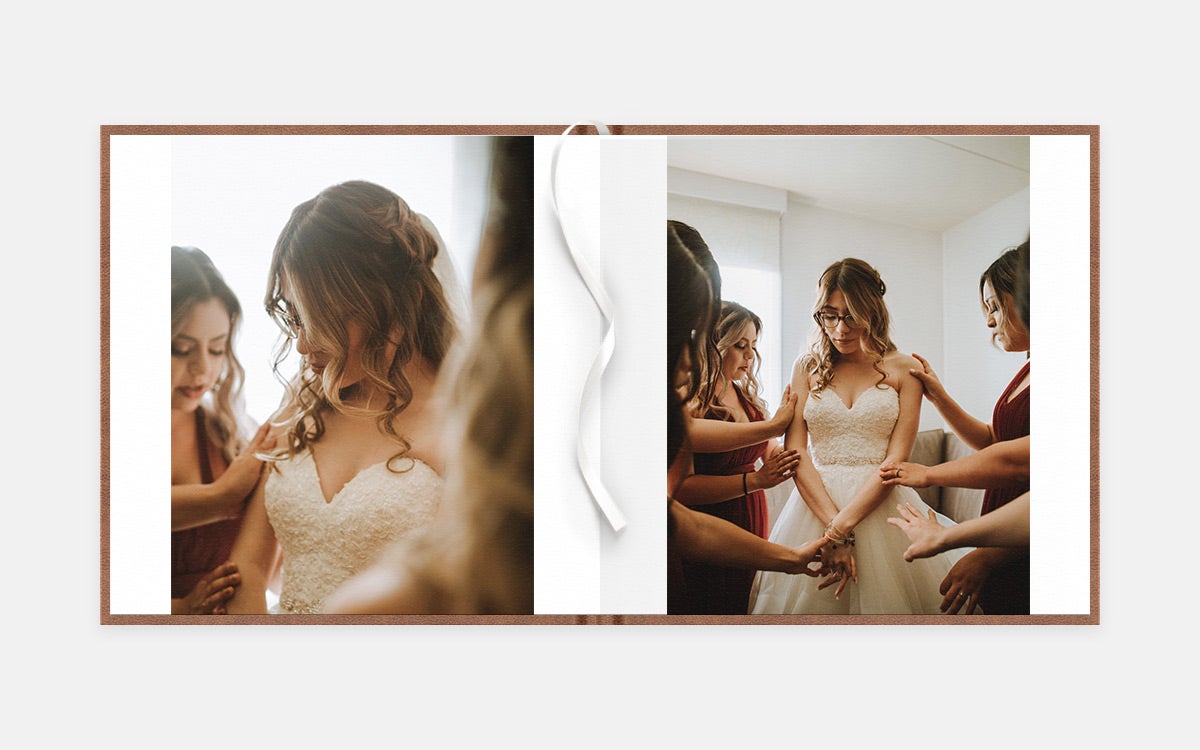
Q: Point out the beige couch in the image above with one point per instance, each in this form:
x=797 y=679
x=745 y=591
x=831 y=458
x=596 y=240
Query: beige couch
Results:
x=936 y=447
x=931 y=447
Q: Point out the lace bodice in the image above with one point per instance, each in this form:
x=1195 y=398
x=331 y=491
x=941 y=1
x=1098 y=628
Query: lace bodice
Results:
x=326 y=543
x=858 y=435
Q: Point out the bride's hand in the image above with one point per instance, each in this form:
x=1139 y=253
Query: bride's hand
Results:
x=786 y=411
x=924 y=533
x=838 y=560
x=928 y=378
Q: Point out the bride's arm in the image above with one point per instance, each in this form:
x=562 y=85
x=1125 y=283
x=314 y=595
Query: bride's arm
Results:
x=254 y=555
x=808 y=481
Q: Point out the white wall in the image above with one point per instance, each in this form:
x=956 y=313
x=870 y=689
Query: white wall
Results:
x=932 y=280
x=742 y=229
x=973 y=371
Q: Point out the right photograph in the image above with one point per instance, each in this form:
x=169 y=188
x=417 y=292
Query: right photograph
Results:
x=848 y=396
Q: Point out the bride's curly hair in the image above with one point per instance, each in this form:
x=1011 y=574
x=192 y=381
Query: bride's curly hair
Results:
x=477 y=556
x=863 y=289
x=733 y=317
x=356 y=253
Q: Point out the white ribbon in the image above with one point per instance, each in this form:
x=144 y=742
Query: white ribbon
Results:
x=591 y=473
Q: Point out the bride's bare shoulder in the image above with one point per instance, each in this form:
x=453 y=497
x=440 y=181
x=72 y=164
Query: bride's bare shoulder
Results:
x=897 y=366
x=899 y=361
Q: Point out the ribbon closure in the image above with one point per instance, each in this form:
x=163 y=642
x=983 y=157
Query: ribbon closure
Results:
x=587 y=467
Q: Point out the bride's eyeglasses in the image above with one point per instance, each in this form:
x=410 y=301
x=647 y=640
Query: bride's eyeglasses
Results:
x=288 y=322
x=829 y=320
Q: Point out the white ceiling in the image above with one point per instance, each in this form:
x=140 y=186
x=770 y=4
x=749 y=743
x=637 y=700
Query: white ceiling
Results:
x=925 y=182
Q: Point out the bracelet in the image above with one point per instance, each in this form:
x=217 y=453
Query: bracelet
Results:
x=838 y=537
x=834 y=533
x=847 y=542
x=744 y=490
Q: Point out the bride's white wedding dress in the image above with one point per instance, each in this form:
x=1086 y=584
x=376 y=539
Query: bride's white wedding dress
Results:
x=847 y=445
x=325 y=543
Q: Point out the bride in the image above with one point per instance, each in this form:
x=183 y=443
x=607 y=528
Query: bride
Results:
x=358 y=462
x=858 y=407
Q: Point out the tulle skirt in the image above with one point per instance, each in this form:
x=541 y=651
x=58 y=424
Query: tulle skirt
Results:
x=887 y=585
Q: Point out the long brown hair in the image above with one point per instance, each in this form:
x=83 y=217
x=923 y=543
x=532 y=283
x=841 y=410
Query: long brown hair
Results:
x=195 y=279
x=863 y=289
x=357 y=252
x=689 y=313
x=707 y=356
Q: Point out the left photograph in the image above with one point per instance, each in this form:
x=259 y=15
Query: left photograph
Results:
x=351 y=375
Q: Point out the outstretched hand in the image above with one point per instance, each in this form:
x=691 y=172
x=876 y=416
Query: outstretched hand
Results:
x=924 y=533
x=809 y=552
x=904 y=473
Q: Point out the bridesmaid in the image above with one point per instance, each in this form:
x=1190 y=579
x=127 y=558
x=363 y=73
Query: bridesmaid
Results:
x=726 y=484
x=710 y=435
x=692 y=285
x=995 y=578
x=213 y=470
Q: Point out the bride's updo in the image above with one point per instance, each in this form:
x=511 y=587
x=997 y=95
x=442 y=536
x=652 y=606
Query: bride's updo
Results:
x=357 y=253
x=863 y=289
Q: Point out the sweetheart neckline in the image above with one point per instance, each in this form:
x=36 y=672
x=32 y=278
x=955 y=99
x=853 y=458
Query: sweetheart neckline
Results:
x=862 y=393
x=312 y=460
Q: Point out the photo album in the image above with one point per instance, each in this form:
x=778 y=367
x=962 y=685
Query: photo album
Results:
x=411 y=375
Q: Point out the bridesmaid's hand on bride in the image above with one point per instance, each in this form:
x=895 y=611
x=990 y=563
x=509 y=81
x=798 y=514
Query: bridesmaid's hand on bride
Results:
x=904 y=473
x=239 y=480
x=786 y=411
x=929 y=379
x=926 y=534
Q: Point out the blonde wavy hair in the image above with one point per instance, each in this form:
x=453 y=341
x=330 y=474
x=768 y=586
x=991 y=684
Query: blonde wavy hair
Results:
x=863 y=290
x=732 y=318
x=195 y=279
x=356 y=253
